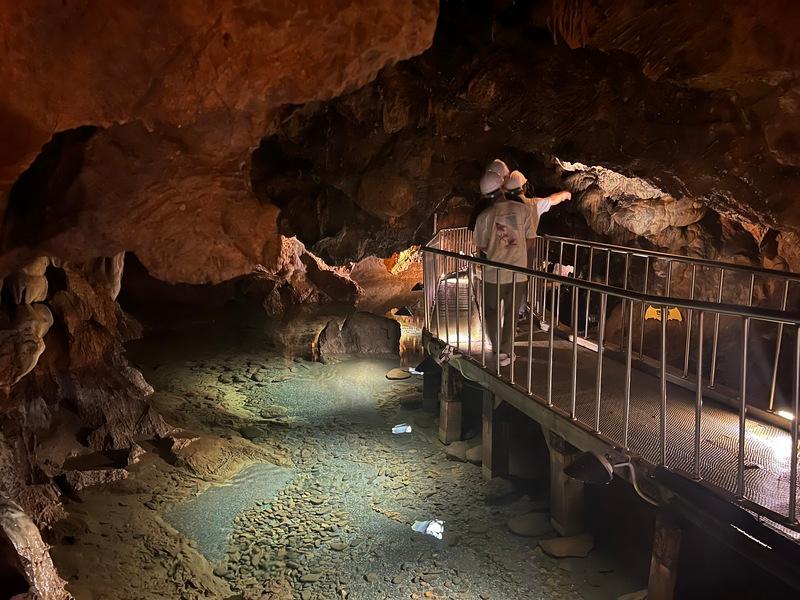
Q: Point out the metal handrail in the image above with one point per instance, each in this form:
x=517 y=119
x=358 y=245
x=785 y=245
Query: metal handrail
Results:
x=445 y=269
x=734 y=310
x=706 y=262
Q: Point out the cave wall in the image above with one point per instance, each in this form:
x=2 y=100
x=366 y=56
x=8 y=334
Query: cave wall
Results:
x=180 y=94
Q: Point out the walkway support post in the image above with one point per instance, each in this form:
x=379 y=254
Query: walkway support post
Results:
x=496 y=438
x=566 y=493
x=450 y=406
x=664 y=561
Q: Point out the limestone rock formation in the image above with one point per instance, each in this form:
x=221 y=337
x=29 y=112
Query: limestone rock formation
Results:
x=362 y=333
x=181 y=94
x=19 y=535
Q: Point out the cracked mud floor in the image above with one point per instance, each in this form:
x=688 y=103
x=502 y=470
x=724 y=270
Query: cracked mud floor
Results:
x=331 y=519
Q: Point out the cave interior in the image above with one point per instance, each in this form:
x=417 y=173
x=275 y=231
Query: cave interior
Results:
x=216 y=377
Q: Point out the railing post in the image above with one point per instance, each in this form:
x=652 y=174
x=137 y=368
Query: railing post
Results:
x=588 y=295
x=469 y=307
x=574 y=374
x=642 y=311
x=778 y=342
x=796 y=411
x=446 y=301
x=458 y=311
x=626 y=414
x=689 y=327
x=483 y=316
x=499 y=314
x=742 y=411
x=698 y=406
x=513 y=325
x=624 y=300
x=560 y=272
x=601 y=332
x=713 y=374
x=531 y=285
x=550 y=345
x=663 y=411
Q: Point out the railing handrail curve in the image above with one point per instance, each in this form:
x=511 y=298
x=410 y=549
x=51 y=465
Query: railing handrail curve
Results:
x=764 y=314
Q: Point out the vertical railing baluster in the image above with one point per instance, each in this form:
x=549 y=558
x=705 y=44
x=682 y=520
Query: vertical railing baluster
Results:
x=498 y=329
x=742 y=410
x=484 y=329
x=531 y=286
x=796 y=412
x=470 y=292
x=626 y=415
x=689 y=327
x=778 y=342
x=601 y=331
x=643 y=308
x=550 y=346
x=663 y=412
x=574 y=375
x=560 y=272
x=437 y=280
x=546 y=259
x=713 y=375
x=624 y=300
x=458 y=302
x=588 y=296
x=426 y=270
x=513 y=324
x=698 y=406
x=446 y=298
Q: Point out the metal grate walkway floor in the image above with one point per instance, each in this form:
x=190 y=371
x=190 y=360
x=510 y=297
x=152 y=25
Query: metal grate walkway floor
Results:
x=768 y=448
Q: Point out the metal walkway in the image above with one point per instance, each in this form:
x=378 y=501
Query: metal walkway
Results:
x=609 y=367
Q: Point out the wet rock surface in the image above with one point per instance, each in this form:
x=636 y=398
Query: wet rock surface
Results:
x=340 y=526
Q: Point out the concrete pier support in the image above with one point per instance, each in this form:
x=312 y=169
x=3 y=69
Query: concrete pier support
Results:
x=495 y=437
x=566 y=494
x=450 y=406
x=664 y=562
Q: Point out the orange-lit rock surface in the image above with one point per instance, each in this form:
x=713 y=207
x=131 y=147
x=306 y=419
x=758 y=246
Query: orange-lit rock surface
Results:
x=181 y=93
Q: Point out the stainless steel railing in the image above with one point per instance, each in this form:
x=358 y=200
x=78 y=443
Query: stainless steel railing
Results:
x=453 y=278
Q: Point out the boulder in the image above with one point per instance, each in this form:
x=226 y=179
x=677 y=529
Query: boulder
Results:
x=531 y=525
x=577 y=546
x=397 y=374
x=79 y=480
x=361 y=334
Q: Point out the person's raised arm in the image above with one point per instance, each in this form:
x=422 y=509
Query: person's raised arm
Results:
x=559 y=197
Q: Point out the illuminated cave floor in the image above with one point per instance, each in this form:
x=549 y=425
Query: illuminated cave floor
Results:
x=337 y=524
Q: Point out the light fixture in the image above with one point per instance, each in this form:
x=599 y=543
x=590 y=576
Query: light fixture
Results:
x=403 y=312
x=418 y=287
x=597 y=469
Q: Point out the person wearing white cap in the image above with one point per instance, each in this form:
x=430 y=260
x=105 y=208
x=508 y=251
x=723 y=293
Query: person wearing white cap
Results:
x=499 y=167
x=501 y=233
x=516 y=187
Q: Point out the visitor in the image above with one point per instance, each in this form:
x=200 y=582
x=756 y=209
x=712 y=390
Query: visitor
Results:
x=500 y=168
x=501 y=234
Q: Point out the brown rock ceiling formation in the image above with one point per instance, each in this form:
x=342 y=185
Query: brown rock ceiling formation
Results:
x=198 y=135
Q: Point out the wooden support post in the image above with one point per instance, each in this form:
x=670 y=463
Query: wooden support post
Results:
x=495 y=437
x=431 y=385
x=566 y=493
x=664 y=562
x=449 y=406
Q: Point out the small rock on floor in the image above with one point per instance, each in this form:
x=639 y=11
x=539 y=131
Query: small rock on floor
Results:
x=456 y=451
x=530 y=525
x=640 y=595
x=475 y=455
x=396 y=374
x=577 y=546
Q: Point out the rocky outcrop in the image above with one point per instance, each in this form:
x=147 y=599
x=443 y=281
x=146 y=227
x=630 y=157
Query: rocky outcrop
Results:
x=361 y=334
x=176 y=97
x=20 y=537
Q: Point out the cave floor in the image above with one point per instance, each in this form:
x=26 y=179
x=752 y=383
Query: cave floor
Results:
x=286 y=482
